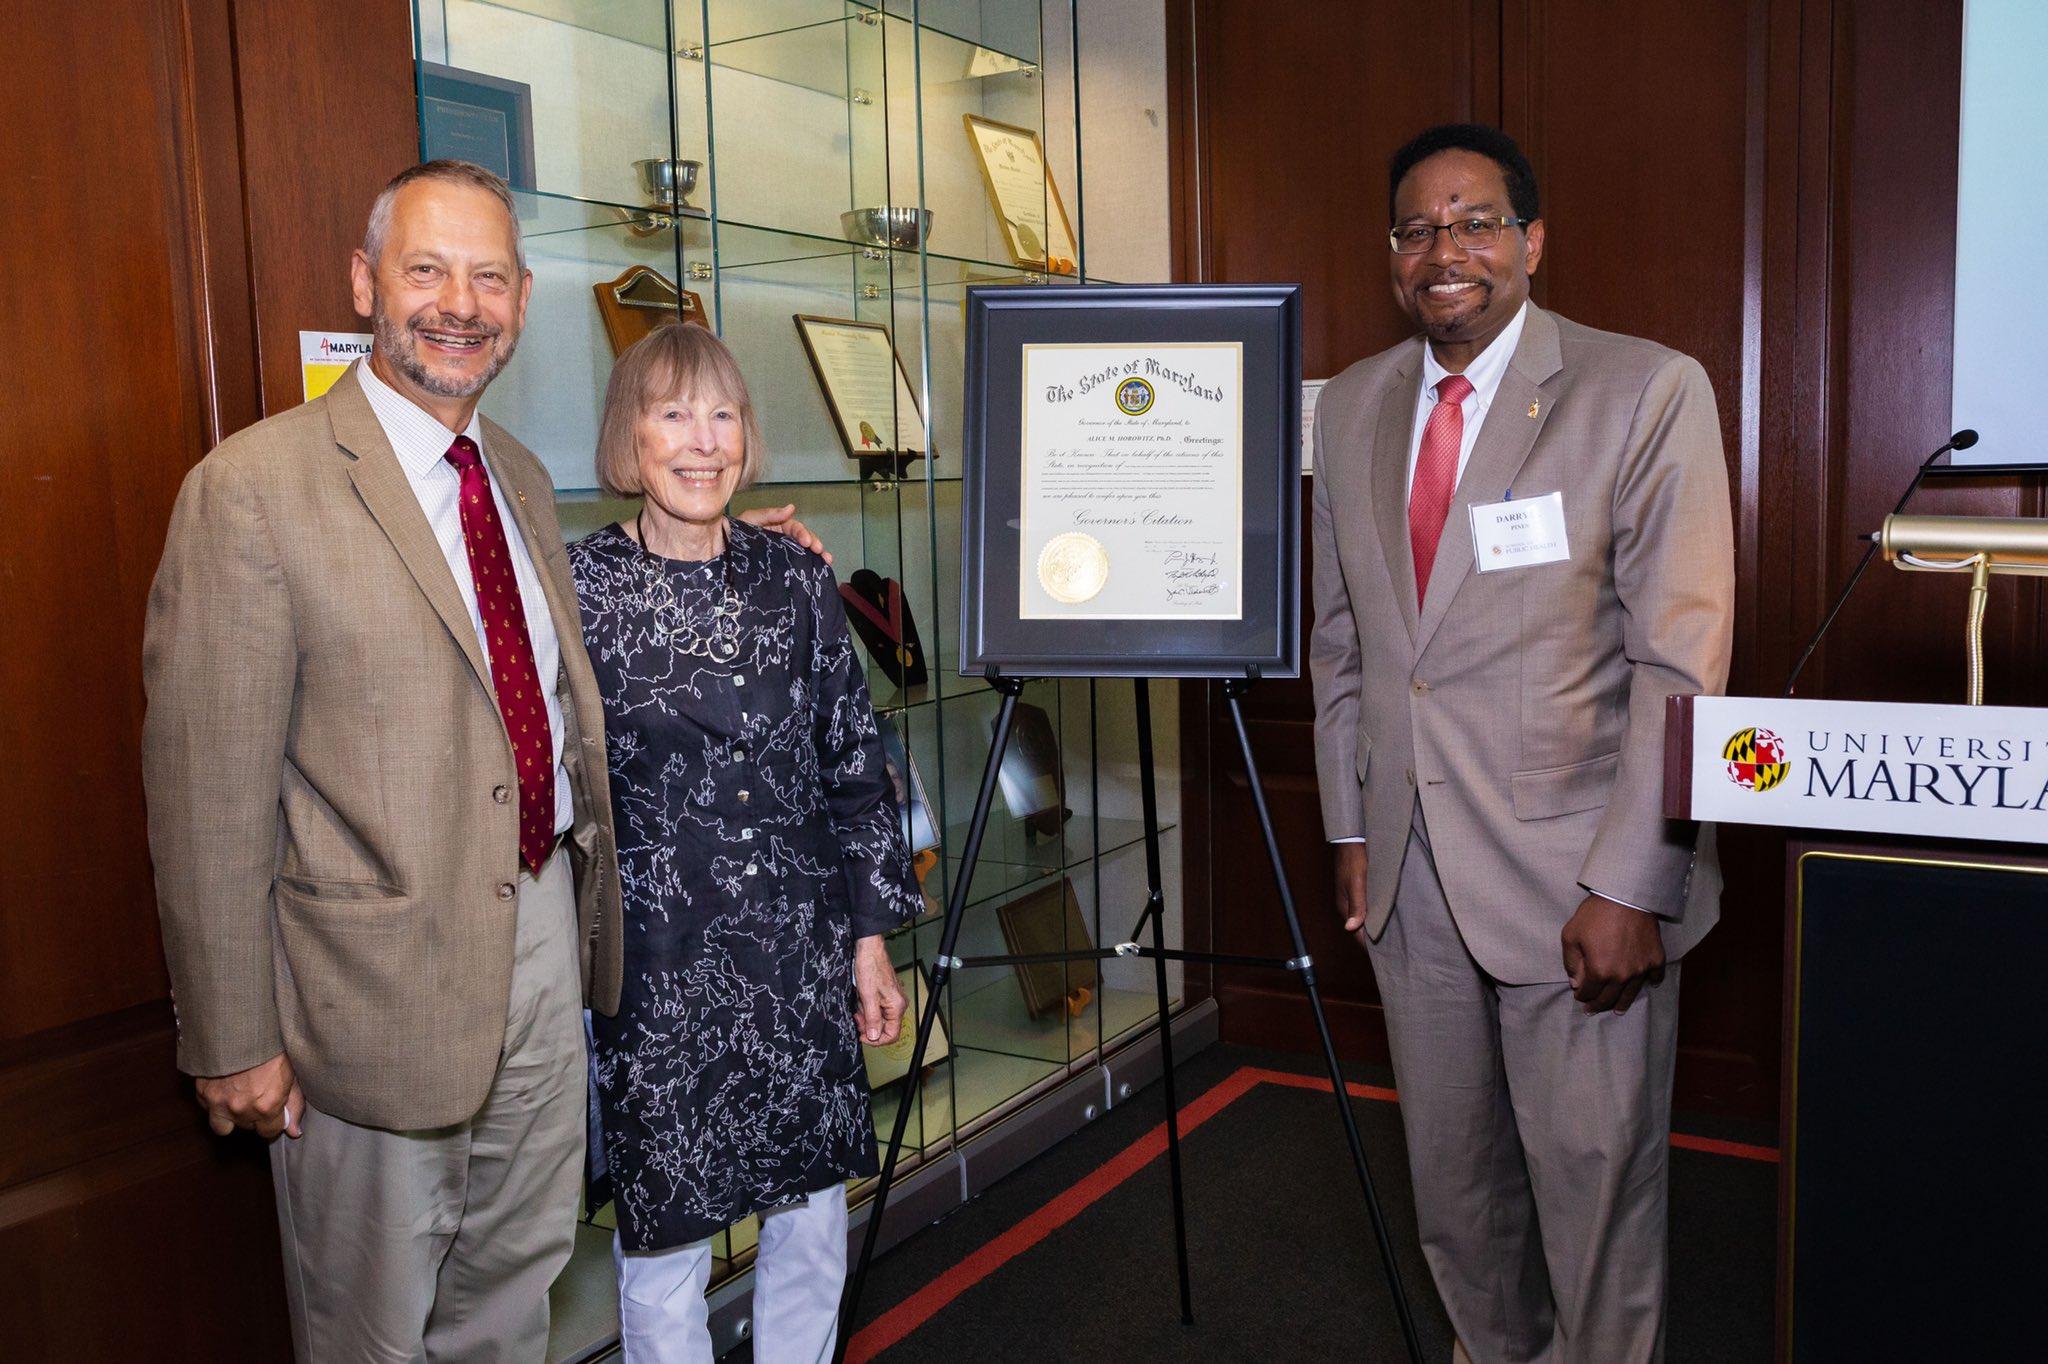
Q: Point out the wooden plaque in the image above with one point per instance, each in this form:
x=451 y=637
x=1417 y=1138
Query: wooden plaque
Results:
x=640 y=300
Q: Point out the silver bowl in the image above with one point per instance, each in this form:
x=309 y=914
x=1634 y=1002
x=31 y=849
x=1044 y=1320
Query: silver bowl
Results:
x=667 y=183
x=904 y=227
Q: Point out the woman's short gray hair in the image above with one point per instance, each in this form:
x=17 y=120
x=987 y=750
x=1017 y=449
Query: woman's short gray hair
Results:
x=675 y=360
x=448 y=172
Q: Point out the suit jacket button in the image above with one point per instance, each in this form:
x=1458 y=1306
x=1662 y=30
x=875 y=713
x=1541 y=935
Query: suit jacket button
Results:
x=500 y=794
x=746 y=796
x=1411 y=776
x=507 y=891
x=1421 y=687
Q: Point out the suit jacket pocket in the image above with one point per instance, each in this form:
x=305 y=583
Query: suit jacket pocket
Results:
x=319 y=889
x=1550 y=791
x=1364 y=756
x=353 y=952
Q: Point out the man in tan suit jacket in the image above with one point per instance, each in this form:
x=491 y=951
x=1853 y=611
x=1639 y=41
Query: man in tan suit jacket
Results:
x=1489 y=731
x=380 y=938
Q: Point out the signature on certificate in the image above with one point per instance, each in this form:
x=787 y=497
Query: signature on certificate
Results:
x=1192 y=575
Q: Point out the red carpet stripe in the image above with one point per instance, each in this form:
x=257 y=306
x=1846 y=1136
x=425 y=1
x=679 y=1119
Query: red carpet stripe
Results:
x=914 y=1311
x=1714 y=1146
x=906 y=1316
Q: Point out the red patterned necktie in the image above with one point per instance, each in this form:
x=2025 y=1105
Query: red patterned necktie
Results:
x=1436 y=477
x=520 y=699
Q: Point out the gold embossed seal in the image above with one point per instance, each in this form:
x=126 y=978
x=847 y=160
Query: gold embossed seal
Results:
x=1072 y=567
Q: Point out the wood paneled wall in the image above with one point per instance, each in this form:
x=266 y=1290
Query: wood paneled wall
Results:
x=1768 y=185
x=180 y=184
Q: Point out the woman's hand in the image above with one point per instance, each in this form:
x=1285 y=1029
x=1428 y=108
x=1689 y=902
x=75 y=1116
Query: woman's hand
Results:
x=881 y=997
x=782 y=520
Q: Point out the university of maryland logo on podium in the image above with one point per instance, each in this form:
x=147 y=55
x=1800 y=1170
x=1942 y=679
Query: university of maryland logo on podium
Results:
x=1756 y=759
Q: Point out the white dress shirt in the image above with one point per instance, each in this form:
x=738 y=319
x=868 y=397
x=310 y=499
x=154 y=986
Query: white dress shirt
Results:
x=421 y=444
x=1484 y=374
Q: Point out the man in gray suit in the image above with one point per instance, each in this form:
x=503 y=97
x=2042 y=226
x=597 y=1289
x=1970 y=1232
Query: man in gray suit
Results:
x=379 y=812
x=1522 y=547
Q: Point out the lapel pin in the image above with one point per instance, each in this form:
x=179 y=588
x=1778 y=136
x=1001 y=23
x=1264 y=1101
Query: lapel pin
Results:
x=1534 y=407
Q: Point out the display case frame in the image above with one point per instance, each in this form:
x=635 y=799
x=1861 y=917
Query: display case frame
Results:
x=796 y=112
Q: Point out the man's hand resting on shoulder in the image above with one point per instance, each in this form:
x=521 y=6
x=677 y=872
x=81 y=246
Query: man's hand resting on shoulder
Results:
x=782 y=520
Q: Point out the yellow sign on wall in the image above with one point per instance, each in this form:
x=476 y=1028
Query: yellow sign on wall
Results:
x=323 y=356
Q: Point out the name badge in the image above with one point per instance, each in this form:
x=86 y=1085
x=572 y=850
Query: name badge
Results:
x=1519 y=534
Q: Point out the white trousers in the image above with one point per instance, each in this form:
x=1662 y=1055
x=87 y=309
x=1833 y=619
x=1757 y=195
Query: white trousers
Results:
x=798 y=1270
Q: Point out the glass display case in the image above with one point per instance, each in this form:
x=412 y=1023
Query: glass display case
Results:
x=730 y=147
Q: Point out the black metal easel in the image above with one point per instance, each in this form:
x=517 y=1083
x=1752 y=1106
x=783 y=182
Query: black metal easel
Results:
x=945 y=963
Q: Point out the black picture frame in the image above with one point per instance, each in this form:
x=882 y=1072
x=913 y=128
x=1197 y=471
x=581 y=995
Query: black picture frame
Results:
x=1032 y=777
x=919 y=822
x=1265 y=639
x=470 y=116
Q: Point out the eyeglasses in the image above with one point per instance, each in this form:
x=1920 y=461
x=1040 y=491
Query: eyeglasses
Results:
x=1474 y=234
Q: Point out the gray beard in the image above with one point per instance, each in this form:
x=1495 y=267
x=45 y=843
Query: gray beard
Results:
x=397 y=344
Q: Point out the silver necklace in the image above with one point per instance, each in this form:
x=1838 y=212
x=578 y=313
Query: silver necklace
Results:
x=717 y=639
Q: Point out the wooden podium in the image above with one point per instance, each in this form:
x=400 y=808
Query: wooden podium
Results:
x=1915 y=1044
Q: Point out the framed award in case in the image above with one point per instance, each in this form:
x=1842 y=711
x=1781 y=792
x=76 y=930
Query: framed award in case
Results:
x=1034 y=783
x=1131 y=489
x=639 y=301
x=878 y=614
x=1049 y=920
x=473 y=116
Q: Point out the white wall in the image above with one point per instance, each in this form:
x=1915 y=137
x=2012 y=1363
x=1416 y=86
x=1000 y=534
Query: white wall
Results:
x=2001 y=338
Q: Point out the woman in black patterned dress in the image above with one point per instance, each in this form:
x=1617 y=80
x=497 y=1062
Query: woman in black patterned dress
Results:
x=762 y=859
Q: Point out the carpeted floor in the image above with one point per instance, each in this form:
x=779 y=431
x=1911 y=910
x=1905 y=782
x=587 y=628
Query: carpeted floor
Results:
x=1282 y=1256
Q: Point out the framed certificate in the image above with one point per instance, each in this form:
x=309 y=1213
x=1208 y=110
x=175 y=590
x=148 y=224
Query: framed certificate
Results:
x=469 y=116
x=1024 y=197
x=1049 y=920
x=1131 y=491
x=865 y=387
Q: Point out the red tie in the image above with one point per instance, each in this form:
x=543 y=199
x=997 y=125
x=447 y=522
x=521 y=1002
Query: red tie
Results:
x=520 y=699
x=1436 y=477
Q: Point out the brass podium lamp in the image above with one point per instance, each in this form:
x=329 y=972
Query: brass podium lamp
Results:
x=1979 y=545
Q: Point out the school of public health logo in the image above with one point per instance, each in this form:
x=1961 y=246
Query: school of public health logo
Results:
x=1134 y=396
x=1756 y=759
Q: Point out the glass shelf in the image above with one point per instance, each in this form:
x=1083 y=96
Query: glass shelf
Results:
x=994 y=882
x=837 y=50
x=736 y=23
x=546 y=217
x=643 y=23
x=996 y=1018
x=1085 y=840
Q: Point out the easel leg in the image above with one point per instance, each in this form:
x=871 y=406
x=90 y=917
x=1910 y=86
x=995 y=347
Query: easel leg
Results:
x=1155 y=909
x=1232 y=691
x=942 y=968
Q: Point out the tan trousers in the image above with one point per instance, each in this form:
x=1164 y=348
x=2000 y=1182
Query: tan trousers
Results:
x=401 y=1247
x=1538 y=1140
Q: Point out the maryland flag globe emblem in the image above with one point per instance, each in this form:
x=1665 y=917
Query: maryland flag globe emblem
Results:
x=1756 y=759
